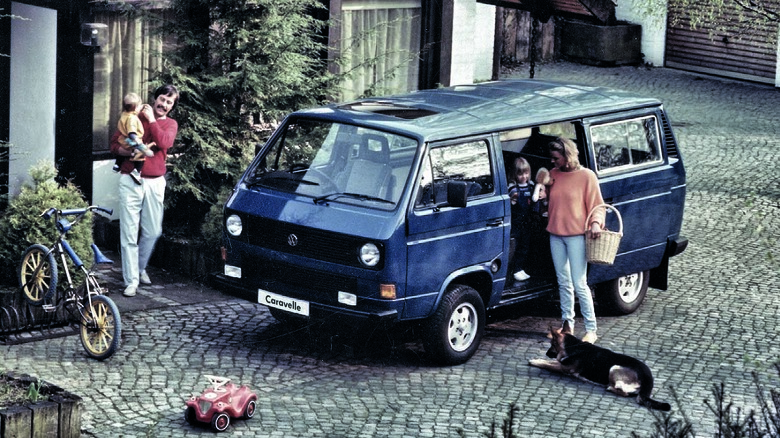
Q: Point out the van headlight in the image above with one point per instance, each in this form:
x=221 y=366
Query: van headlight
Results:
x=369 y=255
x=233 y=225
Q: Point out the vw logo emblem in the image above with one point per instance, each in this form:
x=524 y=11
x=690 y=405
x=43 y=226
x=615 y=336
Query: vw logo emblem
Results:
x=292 y=240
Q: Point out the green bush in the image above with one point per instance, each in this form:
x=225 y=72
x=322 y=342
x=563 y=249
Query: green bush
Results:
x=240 y=67
x=22 y=224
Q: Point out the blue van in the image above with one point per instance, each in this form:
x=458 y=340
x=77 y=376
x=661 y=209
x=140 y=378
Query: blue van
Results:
x=395 y=209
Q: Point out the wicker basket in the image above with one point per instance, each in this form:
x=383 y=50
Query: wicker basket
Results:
x=602 y=251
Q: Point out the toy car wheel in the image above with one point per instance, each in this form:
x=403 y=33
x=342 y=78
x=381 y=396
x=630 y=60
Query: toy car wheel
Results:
x=189 y=415
x=220 y=422
x=249 y=410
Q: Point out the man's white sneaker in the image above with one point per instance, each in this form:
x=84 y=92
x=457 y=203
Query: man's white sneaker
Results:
x=521 y=276
x=144 y=278
x=130 y=291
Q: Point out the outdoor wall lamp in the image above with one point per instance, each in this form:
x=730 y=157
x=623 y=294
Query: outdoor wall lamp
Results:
x=91 y=33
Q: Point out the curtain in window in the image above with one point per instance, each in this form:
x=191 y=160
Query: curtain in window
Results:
x=380 y=47
x=127 y=59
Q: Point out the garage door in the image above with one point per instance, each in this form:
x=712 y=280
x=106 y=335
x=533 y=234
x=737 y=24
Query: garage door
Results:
x=739 y=47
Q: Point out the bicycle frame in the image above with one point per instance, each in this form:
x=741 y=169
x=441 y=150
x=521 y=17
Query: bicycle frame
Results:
x=61 y=248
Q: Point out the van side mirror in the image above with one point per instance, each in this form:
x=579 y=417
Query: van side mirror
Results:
x=457 y=193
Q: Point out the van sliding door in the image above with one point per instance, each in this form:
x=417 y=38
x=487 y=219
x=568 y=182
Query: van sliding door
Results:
x=626 y=154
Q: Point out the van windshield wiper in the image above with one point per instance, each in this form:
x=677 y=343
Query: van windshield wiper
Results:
x=362 y=197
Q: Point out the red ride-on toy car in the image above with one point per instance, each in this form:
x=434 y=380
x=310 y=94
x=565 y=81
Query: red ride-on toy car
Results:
x=219 y=403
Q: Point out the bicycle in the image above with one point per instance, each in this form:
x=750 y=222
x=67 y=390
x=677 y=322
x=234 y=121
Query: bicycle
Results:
x=86 y=303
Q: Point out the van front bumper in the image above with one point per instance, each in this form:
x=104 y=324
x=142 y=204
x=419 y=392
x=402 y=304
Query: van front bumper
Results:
x=317 y=311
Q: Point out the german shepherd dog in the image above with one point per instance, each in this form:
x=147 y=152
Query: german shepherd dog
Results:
x=621 y=374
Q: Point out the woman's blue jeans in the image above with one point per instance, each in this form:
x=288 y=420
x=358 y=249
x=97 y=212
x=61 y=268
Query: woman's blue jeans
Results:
x=571 y=270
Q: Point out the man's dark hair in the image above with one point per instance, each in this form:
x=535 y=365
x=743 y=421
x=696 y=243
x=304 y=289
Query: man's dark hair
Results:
x=168 y=90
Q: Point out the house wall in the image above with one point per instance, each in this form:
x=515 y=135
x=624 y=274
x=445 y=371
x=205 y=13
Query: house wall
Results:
x=653 y=29
x=735 y=42
x=484 y=38
x=468 y=32
x=32 y=112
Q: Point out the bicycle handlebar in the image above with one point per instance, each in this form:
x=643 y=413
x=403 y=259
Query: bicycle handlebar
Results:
x=75 y=211
x=48 y=212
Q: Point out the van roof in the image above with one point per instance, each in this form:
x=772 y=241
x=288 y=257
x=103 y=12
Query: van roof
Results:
x=485 y=107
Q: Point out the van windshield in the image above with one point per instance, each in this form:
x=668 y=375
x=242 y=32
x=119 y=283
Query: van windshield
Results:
x=336 y=162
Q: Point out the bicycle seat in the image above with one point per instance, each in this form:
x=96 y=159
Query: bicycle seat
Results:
x=100 y=259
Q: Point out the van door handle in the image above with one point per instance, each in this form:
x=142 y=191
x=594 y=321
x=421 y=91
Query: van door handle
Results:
x=495 y=223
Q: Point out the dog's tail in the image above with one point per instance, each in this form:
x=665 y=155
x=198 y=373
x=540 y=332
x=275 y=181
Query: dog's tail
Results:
x=646 y=389
x=653 y=404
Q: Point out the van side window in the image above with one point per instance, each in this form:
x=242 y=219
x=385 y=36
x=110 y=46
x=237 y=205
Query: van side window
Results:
x=626 y=144
x=532 y=143
x=468 y=162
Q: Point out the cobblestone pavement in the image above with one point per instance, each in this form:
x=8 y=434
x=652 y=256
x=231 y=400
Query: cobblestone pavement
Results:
x=716 y=323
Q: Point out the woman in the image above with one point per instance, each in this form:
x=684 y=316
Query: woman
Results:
x=573 y=193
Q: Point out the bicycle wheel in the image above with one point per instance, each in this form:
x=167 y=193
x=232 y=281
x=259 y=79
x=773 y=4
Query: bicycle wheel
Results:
x=101 y=328
x=38 y=274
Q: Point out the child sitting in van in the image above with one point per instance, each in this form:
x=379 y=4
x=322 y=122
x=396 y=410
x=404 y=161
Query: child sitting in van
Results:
x=520 y=194
x=131 y=131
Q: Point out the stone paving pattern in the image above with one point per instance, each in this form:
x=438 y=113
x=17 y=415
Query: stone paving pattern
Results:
x=716 y=323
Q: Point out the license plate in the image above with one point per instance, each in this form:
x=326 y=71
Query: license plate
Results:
x=281 y=302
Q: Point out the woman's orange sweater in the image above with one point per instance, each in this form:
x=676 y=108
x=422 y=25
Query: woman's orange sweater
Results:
x=572 y=196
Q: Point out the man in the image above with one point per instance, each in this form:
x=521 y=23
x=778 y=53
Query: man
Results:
x=141 y=205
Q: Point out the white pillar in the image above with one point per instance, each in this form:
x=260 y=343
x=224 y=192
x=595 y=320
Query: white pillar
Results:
x=468 y=34
x=653 y=29
x=777 y=67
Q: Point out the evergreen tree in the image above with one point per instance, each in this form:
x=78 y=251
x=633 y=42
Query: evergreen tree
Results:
x=240 y=65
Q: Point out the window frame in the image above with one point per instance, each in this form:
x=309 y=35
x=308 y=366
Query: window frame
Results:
x=419 y=188
x=589 y=125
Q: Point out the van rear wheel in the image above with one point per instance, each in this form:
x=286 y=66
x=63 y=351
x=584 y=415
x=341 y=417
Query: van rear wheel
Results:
x=623 y=295
x=455 y=330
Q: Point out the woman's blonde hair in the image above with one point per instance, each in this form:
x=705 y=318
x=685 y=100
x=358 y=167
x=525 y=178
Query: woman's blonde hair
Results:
x=568 y=149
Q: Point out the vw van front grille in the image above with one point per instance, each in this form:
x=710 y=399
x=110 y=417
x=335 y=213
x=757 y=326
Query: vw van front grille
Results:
x=306 y=242
x=266 y=273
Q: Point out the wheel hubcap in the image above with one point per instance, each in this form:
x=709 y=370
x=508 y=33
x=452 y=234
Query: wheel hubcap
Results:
x=463 y=327
x=629 y=287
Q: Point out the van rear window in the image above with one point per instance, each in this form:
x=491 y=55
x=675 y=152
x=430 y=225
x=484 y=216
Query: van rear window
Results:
x=626 y=144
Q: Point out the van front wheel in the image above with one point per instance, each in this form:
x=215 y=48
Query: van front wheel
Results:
x=455 y=330
x=623 y=295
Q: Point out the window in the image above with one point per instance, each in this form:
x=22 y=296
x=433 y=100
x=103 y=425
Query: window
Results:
x=129 y=56
x=379 y=46
x=334 y=162
x=534 y=141
x=469 y=162
x=626 y=144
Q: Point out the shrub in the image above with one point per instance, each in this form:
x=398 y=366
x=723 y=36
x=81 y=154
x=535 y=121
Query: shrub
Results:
x=22 y=226
x=239 y=67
